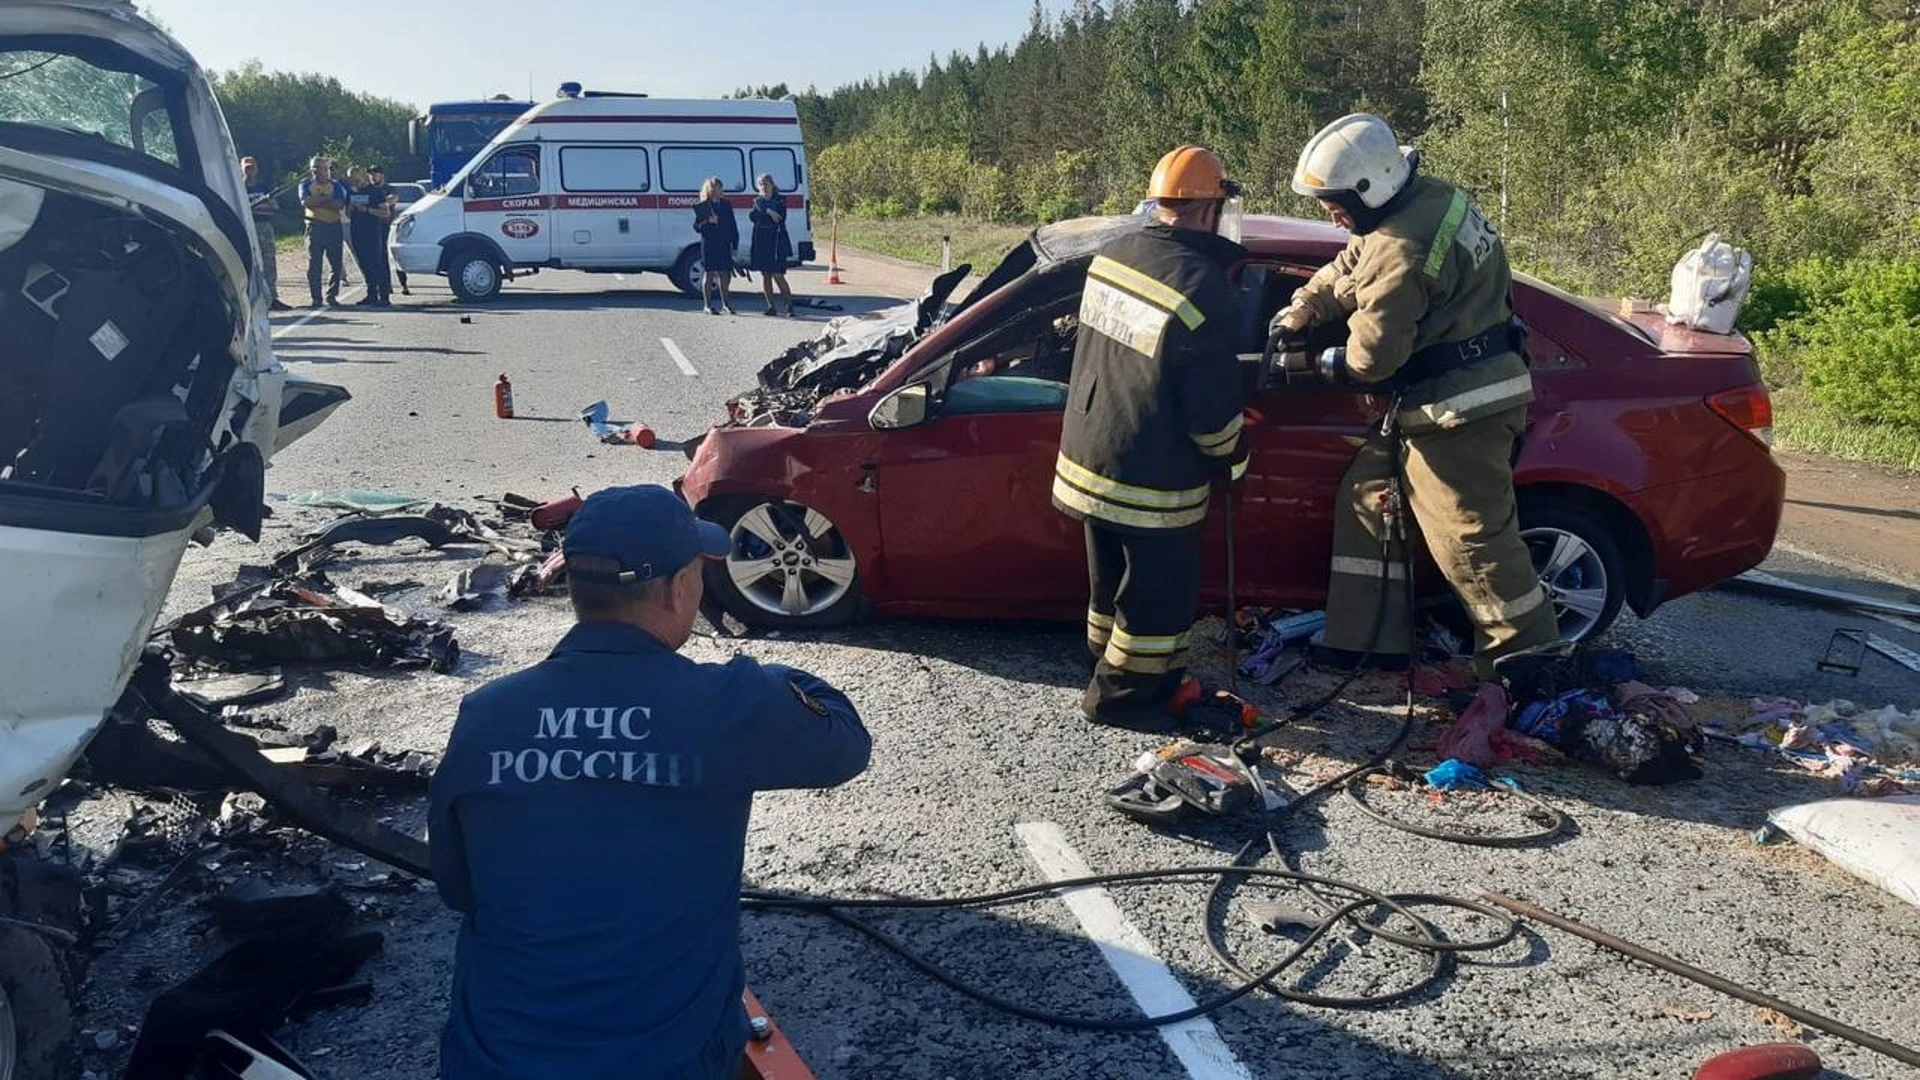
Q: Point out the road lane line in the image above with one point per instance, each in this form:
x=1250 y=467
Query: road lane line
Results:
x=308 y=317
x=1195 y=1042
x=679 y=358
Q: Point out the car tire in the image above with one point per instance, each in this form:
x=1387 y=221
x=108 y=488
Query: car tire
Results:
x=36 y=1008
x=686 y=271
x=473 y=275
x=752 y=584
x=1578 y=559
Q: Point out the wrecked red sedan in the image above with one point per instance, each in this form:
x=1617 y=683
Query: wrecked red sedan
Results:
x=902 y=461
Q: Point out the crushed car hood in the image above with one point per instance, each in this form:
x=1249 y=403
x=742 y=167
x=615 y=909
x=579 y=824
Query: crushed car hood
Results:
x=854 y=348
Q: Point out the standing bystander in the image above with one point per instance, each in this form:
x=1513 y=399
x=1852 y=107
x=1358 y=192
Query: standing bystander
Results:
x=372 y=213
x=325 y=202
x=264 y=201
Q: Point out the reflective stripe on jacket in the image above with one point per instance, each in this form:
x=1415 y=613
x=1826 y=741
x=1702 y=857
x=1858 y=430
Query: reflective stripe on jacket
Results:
x=1154 y=402
x=1435 y=271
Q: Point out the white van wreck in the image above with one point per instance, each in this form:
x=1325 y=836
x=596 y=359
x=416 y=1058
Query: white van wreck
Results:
x=139 y=399
x=604 y=183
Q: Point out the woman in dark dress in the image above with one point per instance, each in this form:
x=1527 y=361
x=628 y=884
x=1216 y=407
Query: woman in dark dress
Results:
x=719 y=235
x=771 y=249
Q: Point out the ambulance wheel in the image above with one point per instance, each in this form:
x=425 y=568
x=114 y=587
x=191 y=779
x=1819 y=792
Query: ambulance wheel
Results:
x=789 y=567
x=36 y=1012
x=473 y=275
x=687 y=271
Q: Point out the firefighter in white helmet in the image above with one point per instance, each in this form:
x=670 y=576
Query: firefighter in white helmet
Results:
x=1426 y=295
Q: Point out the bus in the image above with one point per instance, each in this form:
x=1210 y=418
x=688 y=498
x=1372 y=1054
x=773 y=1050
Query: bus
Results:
x=453 y=131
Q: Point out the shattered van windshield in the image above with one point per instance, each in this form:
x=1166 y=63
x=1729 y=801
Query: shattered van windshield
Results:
x=67 y=93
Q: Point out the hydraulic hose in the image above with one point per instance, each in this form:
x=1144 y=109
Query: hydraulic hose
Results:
x=1360 y=908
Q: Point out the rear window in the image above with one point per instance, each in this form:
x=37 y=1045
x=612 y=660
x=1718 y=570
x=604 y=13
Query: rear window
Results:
x=1591 y=307
x=604 y=168
x=685 y=168
x=779 y=163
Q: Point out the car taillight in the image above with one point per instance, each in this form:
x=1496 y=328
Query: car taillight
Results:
x=1747 y=408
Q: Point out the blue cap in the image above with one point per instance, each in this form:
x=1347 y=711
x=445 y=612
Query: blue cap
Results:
x=648 y=531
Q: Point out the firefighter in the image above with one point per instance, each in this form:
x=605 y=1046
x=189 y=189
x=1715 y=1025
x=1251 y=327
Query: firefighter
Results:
x=1426 y=295
x=1153 y=417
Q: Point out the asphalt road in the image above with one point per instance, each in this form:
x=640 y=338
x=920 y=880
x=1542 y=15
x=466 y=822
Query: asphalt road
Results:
x=978 y=752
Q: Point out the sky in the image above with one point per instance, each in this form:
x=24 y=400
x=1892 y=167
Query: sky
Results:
x=420 y=51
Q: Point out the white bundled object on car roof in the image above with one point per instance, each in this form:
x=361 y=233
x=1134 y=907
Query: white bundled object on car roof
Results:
x=1710 y=285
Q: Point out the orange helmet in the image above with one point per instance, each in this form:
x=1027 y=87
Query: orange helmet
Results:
x=1191 y=172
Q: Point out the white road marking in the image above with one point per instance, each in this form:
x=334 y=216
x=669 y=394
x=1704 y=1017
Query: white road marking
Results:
x=679 y=358
x=308 y=317
x=1195 y=1042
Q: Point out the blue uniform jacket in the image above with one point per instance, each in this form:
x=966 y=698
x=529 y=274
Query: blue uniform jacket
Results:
x=588 y=822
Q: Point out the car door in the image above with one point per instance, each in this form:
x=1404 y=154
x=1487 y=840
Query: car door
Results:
x=1304 y=440
x=966 y=513
x=504 y=202
x=603 y=214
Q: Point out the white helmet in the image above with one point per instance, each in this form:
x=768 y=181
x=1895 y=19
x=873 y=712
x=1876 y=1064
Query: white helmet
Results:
x=1356 y=154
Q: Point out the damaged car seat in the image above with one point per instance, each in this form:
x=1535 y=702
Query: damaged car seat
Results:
x=120 y=346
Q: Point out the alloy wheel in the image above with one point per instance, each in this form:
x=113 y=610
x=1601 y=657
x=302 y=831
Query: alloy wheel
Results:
x=1574 y=576
x=789 y=560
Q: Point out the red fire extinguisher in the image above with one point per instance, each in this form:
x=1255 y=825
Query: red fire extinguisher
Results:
x=503 y=399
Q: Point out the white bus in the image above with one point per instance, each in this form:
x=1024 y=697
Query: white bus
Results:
x=604 y=183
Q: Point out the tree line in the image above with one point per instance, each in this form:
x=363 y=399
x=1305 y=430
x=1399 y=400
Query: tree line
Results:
x=284 y=119
x=1605 y=137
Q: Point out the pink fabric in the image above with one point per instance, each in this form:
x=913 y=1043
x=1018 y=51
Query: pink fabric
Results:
x=1481 y=736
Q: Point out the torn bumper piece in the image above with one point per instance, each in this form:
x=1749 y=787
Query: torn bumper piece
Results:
x=294 y=622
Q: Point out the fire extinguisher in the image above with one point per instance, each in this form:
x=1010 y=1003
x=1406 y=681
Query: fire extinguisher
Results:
x=503 y=399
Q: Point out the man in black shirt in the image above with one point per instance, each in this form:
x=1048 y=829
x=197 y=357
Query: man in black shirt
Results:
x=372 y=216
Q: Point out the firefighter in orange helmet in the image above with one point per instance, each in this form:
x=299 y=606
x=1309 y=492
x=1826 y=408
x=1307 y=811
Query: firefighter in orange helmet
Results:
x=1153 y=419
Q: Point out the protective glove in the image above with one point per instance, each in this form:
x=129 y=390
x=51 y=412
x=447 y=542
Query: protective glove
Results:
x=1292 y=319
x=1293 y=353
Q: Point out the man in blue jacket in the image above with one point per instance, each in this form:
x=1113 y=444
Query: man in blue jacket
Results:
x=590 y=818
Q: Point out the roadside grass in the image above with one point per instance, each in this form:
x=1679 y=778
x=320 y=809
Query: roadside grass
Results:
x=1800 y=423
x=917 y=239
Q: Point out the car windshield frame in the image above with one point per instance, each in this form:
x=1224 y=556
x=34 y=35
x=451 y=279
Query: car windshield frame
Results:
x=83 y=63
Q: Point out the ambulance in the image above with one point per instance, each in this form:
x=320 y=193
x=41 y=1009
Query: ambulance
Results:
x=604 y=183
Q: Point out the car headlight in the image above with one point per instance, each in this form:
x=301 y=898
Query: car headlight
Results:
x=404 y=229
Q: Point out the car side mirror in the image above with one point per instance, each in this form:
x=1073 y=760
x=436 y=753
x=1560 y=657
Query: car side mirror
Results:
x=904 y=408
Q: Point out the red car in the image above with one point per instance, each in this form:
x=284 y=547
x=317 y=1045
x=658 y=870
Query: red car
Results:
x=903 y=461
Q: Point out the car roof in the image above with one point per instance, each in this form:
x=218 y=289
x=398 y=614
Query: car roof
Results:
x=1265 y=234
x=1261 y=234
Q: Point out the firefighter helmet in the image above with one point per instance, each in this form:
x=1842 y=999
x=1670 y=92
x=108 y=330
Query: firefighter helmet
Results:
x=1358 y=155
x=1191 y=172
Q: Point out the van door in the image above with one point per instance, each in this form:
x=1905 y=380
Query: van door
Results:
x=603 y=211
x=504 y=202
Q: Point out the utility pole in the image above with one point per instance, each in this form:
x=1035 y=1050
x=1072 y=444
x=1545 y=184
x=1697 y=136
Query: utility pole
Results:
x=1506 y=152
